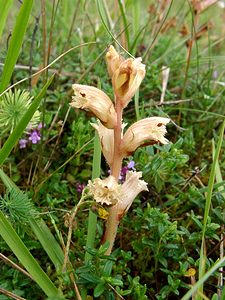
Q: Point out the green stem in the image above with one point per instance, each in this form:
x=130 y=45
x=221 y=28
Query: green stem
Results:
x=20 y=250
x=92 y=218
x=207 y=206
x=136 y=104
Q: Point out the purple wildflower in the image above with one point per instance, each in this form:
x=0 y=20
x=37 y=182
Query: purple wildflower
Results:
x=41 y=125
x=80 y=186
x=22 y=143
x=34 y=136
x=131 y=165
x=125 y=169
x=215 y=74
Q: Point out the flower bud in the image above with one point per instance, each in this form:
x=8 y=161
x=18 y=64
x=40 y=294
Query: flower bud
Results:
x=106 y=137
x=113 y=60
x=126 y=75
x=144 y=132
x=106 y=191
x=130 y=189
x=94 y=100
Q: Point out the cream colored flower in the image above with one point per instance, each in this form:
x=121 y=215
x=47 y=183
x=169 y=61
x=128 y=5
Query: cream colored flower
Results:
x=144 y=132
x=126 y=75
x=113 y=60
x=106 y=191
x=94 y=100
x=130 y=189
x=106 y=137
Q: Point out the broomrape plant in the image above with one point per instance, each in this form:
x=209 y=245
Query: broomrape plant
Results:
x=126 y=76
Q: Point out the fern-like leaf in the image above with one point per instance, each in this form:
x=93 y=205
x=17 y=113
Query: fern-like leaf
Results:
x=17 y=206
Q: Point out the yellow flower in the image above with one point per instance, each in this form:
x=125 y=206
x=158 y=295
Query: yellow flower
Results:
x=144 y=132
x=94 y=100
x=126 y=75
x=106 y=191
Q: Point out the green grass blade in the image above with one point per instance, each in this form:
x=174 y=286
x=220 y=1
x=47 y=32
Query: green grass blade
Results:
x=219 y=178
x=5 y=6
x=20 y=250
x=125 y=23
x=41 y=230
x=92 y=219
x=136 y=105
x=15 y=43
x=48 y=242
x=99 y=8
x=18 y=131
x=200 y=282
x=207 y=206
x=136 y=12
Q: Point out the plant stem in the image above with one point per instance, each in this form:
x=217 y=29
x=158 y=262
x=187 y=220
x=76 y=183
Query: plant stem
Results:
x=111 y=228
x=117 y=159
x=114 y=219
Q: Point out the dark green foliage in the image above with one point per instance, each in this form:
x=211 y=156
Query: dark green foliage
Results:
x=161 y=165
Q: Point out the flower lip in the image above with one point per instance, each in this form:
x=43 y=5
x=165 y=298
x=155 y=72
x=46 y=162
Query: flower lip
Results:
x=132 y=186
x=147 y=131
x=106 y=137
x=106 y=191
x=92 y=99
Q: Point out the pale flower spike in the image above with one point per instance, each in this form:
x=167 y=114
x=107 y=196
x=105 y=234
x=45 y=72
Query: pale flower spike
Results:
x=94 y=100
x=126 y=75
x=147 y=131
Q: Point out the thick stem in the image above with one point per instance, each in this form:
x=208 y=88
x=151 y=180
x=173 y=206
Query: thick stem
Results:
x=111 y=228
x=117 y=159
x=113 y=219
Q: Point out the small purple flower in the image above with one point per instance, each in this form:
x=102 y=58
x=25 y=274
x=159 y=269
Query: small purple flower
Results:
x=22 y=143
x=131 y=165
x=125 y=169
x=80 y=187
x=34 y=136
x=215 y=74
x=41 y=125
